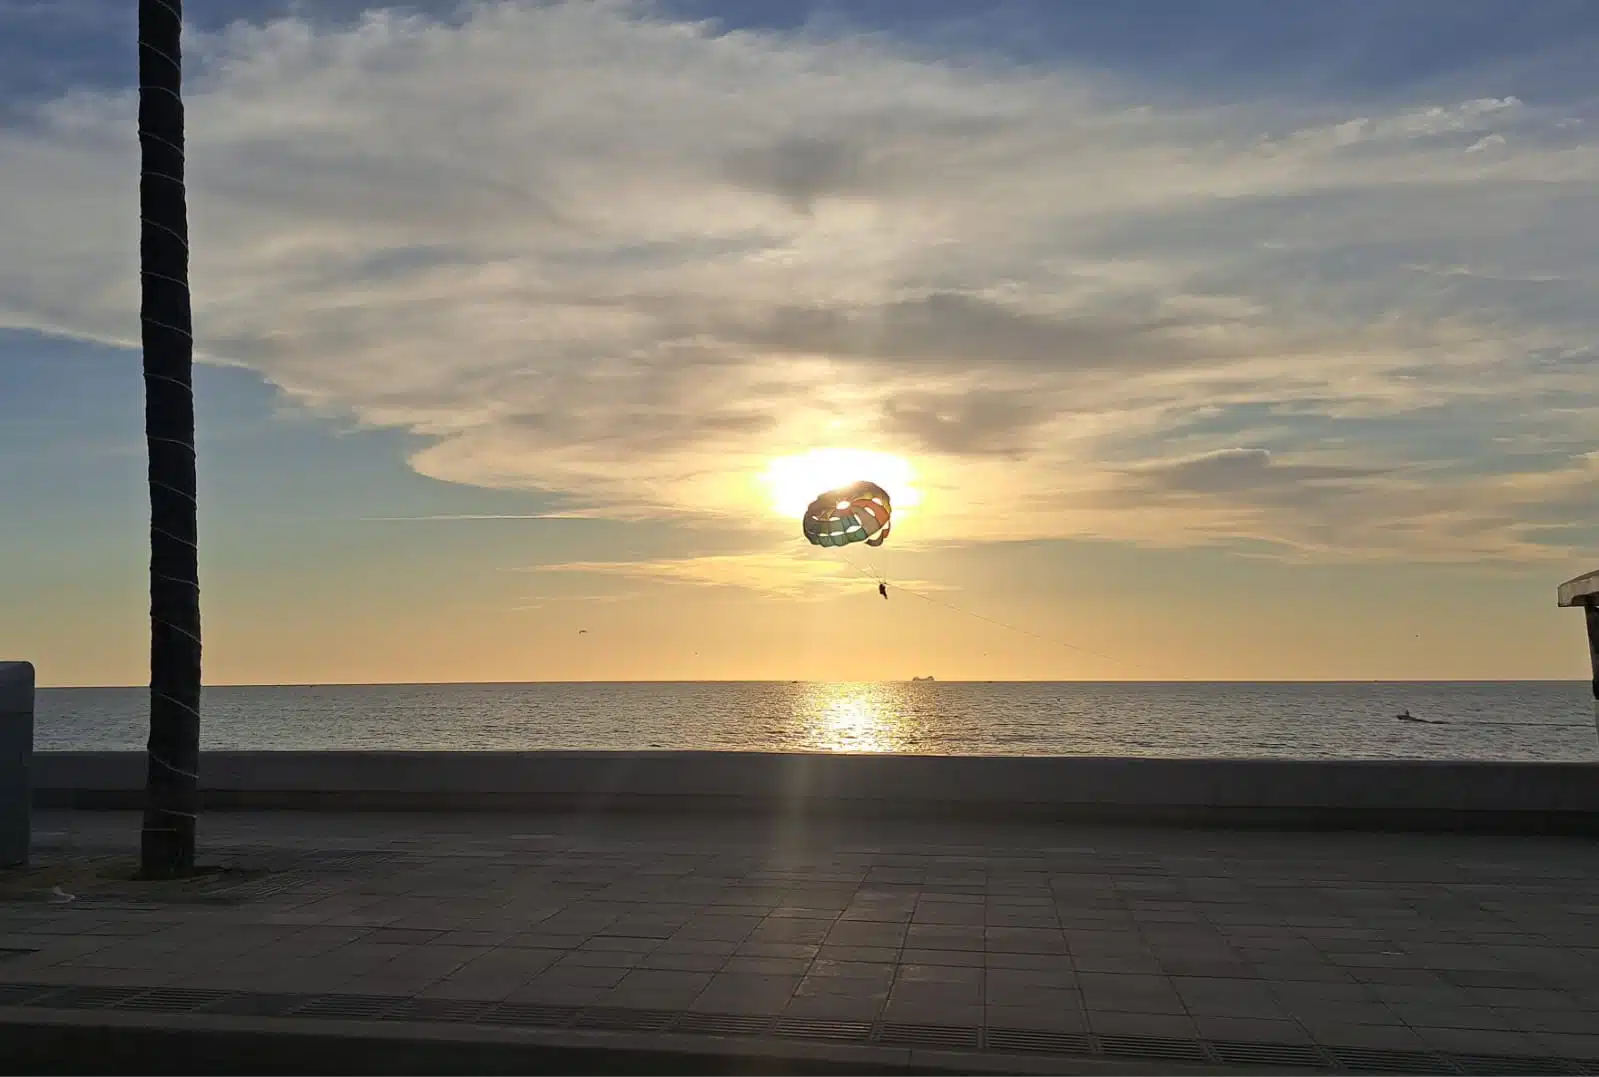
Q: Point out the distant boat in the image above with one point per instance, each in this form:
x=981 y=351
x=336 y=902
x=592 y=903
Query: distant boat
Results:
x=1406 y=716
x=918 y=680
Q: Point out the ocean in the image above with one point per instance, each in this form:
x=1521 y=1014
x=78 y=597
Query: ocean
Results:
x=1549 y=720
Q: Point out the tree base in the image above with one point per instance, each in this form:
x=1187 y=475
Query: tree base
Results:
x=166 y=853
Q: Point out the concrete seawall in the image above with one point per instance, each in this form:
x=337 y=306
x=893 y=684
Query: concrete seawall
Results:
x=1527 y=797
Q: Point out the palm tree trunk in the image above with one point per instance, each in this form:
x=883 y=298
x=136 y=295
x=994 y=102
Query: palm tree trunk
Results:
x=172 y=786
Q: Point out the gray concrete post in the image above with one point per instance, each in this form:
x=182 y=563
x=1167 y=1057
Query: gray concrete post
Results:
x=16 y=757
x=1583 y=592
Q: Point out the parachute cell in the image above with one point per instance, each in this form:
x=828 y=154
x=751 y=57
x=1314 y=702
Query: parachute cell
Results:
x=859 y=512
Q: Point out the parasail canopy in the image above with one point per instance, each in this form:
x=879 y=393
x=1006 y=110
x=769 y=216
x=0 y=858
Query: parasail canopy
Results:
x=859 y=512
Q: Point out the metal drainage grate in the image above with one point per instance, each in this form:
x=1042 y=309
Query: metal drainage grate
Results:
x=93 y=998
x=437 y=1009
x=723 y=1024
x=804 y=1028
x=1027 y=1039
x=528 y=1016
x=1509 y=1065
x=927 y=1036
x=256 y=1005
x=1152 y=1047
x=22 y=994
x=1377 y=1060
x=8 y=953
x=1270 y=1054
x=625 y=1020
x=351 y=1006
x=401 y=1008
x=172 y=1000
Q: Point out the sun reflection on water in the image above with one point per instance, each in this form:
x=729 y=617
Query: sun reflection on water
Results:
x=855 y=718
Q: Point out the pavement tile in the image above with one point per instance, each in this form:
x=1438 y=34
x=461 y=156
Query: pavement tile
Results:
x=1444 y=1016
x=792 y=930
x=1035 y=978
x=403 y=935
x=1567 y=1045
x=938 y=974
x=1510 y=998
x=1154 y=1025
x=949 y=914
x=615 y=959
x=1385 y=1037
x=1477 y=1040
x=768 y=966
x=1132 y=997
x=746 y=993
x=878 y=954
x=360 y=957
x=718 y=928
x=1303 y=972
x=1411 y=975
x=1043 y=962
x=1117 y=963
x=965 y=958
x=1227 y=998
x=1024 y=940
x=683 y=961
x=944 y=937
x=1004 y=993
x=1469 y=943
x=877 y=914
x=1569 y=1021
x=927 y=1011
x=828 y=1006
x=638 y=929
x=689 y=945
x=437 y=960
x=1332 y=1013
x=935 y=995
x=652 y=989
x=754 y=947
x=843 y=987
x=857 y=970
x=1251 y=1030
x=621 y=944
x=866 y=933
x=539 y=940
x=801 y=912
x=1034 y=1016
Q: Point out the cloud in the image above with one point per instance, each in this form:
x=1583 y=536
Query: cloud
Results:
x=1232 y=471
x=592 y=249
x=976 y=423
x=459 y=516
x=785 y=574
x=1352 y=512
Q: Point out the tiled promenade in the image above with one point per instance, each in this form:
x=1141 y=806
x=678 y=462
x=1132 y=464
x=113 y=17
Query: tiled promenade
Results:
x=1025 y=947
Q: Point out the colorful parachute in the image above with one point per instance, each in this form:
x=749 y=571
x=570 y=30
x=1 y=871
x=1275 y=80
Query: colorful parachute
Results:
x=859 y=512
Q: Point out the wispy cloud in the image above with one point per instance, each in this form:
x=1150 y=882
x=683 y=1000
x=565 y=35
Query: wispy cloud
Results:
x=481 y=516
x=787 y=574
x=595 y=250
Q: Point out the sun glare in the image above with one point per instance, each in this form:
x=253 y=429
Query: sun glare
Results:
x=794 y=481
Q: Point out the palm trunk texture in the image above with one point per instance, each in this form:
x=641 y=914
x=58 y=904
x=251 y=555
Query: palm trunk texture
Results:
x=172 y=791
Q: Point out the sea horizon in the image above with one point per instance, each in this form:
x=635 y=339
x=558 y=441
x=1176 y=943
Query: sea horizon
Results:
x=806 y=680
x=1529 y=720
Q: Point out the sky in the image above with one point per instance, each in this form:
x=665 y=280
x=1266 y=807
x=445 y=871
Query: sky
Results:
x=1231 y=340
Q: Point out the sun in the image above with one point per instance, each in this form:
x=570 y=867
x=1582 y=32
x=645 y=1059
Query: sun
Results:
x=794 y=481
